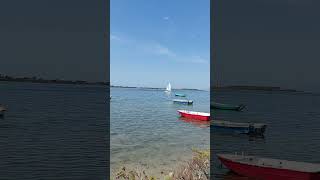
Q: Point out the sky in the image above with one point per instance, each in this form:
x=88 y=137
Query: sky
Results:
x=267 y=43
x=155 y=42
x=53 y=39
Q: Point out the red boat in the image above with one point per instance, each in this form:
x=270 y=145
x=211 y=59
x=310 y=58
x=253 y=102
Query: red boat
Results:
x=270 y=169
x=198 y=123
x=195 y=115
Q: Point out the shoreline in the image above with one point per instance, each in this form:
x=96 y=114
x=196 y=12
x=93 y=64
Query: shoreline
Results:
x=91 y=84
x=153 y=88
x=196 y=166
x=82 y=82
x=55 y=82
x=255 y=88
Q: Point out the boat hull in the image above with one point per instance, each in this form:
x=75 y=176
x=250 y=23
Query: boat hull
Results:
x=180 y=95
x=239 y=128
x=194 y=116
x=236 y=130
x=186 y=102
x=198 y=123
x=267 y=173
x=227 y=107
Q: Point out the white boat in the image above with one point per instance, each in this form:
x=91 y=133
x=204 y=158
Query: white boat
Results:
x=168 y=89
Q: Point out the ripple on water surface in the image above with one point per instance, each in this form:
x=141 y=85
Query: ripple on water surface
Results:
x=146 y=130
x=293 y=130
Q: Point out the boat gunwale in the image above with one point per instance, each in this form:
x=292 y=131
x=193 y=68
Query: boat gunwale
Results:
x=238 y=124
x=222 y=156
x=194 y=113
x=182 y=100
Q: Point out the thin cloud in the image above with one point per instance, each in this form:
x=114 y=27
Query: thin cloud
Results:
x=159 y=49
x=114 y=37
x=155 y=49
x=199 y=60
x=162 y=50
x=166 y=18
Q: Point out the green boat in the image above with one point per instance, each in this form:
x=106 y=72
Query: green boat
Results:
x=221 y=106
x=180 y=95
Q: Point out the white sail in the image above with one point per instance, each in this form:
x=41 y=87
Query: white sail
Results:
x=168 y=89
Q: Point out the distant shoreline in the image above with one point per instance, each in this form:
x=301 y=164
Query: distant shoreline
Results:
x=76 y=82
x=81 y=82
x=133 y=87
x=255 y=88
x=48 y=81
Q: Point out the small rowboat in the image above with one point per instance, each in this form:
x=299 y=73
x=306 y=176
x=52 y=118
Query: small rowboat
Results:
x=179 y=94
x=194 y=115
x=267 y=168
x=221 y=106
x=239 y=128
x=183 y=101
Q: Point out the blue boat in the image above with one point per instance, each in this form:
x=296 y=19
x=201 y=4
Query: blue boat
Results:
x=180 y=95
x=183 y=101
x=239 y=128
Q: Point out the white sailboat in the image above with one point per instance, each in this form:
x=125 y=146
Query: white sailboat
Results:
x=168 y=89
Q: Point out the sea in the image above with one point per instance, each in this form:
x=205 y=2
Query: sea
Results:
x=293 y=127
x=147 y=133
x=53 y=131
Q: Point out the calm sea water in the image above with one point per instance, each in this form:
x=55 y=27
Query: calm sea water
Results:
x=146 y=131
x=293 y=131
x=53 y=131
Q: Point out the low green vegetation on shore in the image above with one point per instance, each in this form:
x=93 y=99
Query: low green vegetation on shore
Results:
x=198 y=168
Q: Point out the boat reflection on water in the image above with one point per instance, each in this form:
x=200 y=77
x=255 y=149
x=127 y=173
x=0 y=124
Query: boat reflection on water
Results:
x=3 y=109
x=195 y=122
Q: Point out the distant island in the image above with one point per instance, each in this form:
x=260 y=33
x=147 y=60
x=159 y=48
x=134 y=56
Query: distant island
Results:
x=48 y=81
x=256 y=88
x=154 y=88
x=60 y=81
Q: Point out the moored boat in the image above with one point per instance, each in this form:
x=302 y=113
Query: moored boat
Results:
x=180 y=95
x=195 y=122
x=270 y=169
x=240 y=128
x=183 y=101
x=195 y=115
x=221 y=106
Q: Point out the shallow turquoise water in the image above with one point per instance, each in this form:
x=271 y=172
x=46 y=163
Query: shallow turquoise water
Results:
x=146 y=130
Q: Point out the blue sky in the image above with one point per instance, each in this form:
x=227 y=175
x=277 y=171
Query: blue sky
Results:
x=154 y=42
